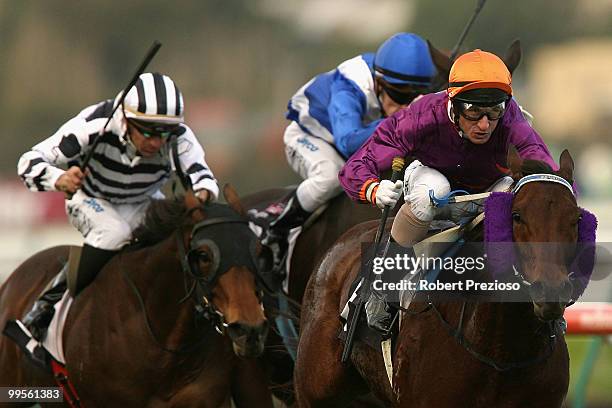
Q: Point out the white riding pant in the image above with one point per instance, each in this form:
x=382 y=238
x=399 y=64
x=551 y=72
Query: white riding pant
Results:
x=104 y=225
x=419 y=179
x=317 y=162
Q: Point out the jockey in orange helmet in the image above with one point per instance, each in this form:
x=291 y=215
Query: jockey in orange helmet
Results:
x=460 y=139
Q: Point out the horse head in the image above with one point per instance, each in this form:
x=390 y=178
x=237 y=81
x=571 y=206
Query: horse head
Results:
x=222 y=257
x=545 y=219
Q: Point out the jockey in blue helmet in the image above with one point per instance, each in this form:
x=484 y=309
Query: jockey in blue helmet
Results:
x=333 y=114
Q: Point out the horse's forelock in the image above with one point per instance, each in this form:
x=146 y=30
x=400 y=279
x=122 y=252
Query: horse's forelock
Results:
x=535 y=167
x=163 y=217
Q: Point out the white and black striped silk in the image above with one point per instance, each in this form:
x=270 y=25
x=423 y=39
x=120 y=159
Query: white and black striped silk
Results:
x=116 y=173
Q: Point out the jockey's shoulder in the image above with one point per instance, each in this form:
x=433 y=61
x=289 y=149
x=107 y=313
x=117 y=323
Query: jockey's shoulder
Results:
x=516 y=114
x=429 y=101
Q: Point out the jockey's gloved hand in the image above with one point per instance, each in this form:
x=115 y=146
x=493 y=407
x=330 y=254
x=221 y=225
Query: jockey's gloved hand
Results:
x=388 y=193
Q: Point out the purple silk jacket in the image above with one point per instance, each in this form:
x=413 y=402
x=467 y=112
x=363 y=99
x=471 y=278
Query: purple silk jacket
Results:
x=424 y=131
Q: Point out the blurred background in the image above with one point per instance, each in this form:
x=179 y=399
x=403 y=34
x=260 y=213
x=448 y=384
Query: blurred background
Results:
x=238 y=62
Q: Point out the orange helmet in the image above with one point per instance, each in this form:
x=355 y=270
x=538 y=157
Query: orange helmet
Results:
x=477 y=70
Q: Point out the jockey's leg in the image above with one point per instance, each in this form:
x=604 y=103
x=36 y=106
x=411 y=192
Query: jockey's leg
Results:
x=38 y=318
x=111 y=230
x=318 y=163
x=409 y=227
x=92 y=261
x=414 y=217
x=106 y=229
x=472 y=208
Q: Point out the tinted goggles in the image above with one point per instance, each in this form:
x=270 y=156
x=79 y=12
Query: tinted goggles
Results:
x=474 y=112
x=149 y=130
x=403 y=97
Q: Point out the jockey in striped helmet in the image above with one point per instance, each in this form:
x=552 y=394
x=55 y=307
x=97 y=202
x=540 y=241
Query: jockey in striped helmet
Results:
x=333 y=114
x=154 y=98
x=132 y=160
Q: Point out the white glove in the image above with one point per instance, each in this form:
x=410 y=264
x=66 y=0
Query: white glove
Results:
x=388 y=193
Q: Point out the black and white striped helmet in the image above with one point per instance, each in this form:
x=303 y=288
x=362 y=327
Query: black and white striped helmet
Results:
x=154 y=98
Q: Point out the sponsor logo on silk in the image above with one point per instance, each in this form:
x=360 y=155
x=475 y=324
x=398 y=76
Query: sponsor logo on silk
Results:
x=307 y=144
x=91 y=202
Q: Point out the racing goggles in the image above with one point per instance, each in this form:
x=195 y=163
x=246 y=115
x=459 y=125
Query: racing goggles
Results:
x=148 y=129
x=475 y=113
x=403 y=97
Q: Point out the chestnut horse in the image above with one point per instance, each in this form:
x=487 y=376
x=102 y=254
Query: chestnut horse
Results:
x=340 y=215
x=449 y=354
x=165 y=321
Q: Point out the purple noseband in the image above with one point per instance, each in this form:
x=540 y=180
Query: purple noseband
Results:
x=498 y=229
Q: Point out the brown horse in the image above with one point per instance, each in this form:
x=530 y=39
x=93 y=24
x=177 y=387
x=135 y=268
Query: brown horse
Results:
x=450 y=354
x=149 y=331
x=340 y=215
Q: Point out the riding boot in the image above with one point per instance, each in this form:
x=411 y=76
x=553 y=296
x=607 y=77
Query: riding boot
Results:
x=378 y=312
x=277 y=234
x=91 y=262
x=407 y=229
x=37 y=320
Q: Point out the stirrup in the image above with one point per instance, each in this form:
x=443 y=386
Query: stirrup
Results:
x=37 y=320
x=274 y=276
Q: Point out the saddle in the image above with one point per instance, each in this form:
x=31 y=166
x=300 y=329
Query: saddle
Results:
x=444 y=240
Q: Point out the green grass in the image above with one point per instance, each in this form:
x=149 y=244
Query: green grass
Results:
x=599 y=389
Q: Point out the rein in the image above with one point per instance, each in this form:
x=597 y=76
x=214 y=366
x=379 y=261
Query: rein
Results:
x=457 y=334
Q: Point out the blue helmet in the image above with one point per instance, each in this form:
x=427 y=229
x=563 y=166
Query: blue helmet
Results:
x=404 y=59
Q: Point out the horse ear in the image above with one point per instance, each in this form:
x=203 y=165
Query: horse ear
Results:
x=513 y=55
x=515 y=163
x=566 y=166
x=193 y=204
x=440 y=60
x=233 y=200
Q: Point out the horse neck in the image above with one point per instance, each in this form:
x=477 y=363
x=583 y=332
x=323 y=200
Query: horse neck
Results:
x=509 y=331
x=161 y=283
x=510 y=328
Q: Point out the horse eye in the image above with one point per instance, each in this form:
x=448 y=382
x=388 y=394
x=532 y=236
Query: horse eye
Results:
x=204 y=257
x=516 y=217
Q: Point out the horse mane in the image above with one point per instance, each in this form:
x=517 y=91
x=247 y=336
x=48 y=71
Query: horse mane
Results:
x=531 y=166
x=528 y=167
x=161 y=219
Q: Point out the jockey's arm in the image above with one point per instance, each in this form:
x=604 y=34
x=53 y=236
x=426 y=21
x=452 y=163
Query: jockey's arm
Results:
x=530 y=145
x=346 y=110
x=40 y=168
x=360 y=175
x=193 y=163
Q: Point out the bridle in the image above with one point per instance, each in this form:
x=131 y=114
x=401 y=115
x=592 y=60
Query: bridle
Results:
x=197 y=285
x=202 y=285
x=552 y=326
x=538 y=177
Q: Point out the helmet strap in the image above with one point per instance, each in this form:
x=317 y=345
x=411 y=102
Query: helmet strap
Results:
x=377 y=90
x=453 y=115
